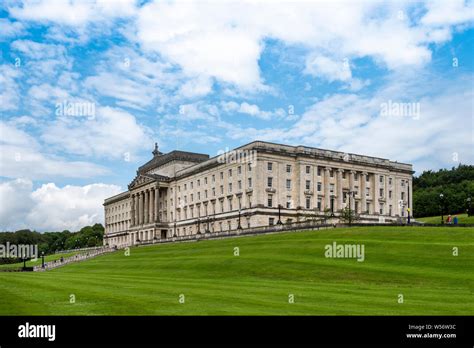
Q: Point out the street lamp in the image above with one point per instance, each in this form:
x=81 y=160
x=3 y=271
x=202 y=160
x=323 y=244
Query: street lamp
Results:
x=332 y=204
x=441 y=206
x=239 y=226
x=42 y=259
x=279 y=215
x=469 y=206
x=350 y=211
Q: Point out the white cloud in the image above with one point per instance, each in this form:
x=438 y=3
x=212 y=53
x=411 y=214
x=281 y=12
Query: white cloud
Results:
x=110 y=134
x=10 y=29
x=9 y=88
x=252 y=110
x=224 y=40
x=52 y=208
x=21 y=157
x=328 y=69
x=73 y=12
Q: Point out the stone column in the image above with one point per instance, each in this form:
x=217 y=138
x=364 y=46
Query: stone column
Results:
x=351 y=189
x=376 y=193
x=132 y=210
x=327 y=198
x=363 y=196
x=157 y=195
x=151 y=208
x=135 y=211
x=145 y=210
x=339 y=189
x=140 y=208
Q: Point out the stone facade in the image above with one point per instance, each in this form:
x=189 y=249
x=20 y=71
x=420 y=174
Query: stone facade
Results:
x=258 y=184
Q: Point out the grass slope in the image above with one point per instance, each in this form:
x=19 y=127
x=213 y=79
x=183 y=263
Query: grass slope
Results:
x=413 y=261
x=462 y=219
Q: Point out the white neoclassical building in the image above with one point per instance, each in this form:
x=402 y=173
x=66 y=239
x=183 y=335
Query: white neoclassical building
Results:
x=258 y=184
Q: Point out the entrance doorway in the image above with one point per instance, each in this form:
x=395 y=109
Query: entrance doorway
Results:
x=163 y=234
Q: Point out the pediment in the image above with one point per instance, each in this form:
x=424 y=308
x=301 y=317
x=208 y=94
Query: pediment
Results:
x=140 y=180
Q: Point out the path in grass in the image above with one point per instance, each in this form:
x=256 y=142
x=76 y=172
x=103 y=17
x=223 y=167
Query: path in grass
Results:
x=37 y=262
x=414 y=261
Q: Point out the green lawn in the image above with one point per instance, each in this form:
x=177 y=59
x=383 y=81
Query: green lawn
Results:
x=414 y=261
x=38 y=261
x=462 y=219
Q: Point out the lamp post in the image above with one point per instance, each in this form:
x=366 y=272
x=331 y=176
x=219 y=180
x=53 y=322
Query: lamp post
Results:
x=441 y=206
x=279 y=215
x=174 y=228
x=42 y=259
x=469 y=206
x=332 y=204
x=239 y=226
x=350 y=211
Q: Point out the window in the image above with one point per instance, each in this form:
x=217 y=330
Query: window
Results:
x=239 y=183
x=192 y=197
x=403 y=183
x=239 y=170
x=270 y=166
x=270 y=200
x=308 y=202
x=390 y=194
x=308 y=185
x=271 y=221
x=288 y=202
x=213 y=178
x=356 y=176
x=368 y=207
x=250 y=182
x=230 y=173
x=288 y=168
x=222 y=175
x=381 y=179
x=367 y=191
x=367 y=177
x=319 y=186
x=356 y=190
x=319 y=171
x=222 y=189
x=308 y=169
x=390 y=181
x=288 y=184
x=403 y=196
x=319 y=204
x=381 y=192
x=331 y=188
x=381 y=209
x=390 y=210
x=205 y=180
x=185 y=187
x=331 y=173
x=230 y=204
x=191 y=184
x=269 y=182
x=199 y=182
x=230 y=187
x=343 y=175
x=214 y=191
x=205 y=193
x=199 y=196
x=249 y=167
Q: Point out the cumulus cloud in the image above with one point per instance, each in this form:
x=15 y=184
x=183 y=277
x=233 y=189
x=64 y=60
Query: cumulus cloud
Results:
x=9 y=88
x=252 y=110
x=21 y=156
x=109 y=134
x=52 y=208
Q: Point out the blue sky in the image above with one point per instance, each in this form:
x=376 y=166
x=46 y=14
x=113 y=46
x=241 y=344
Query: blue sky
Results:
x=207 y=76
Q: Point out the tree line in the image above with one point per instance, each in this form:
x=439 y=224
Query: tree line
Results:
x=456 y=185
x=50 y=242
